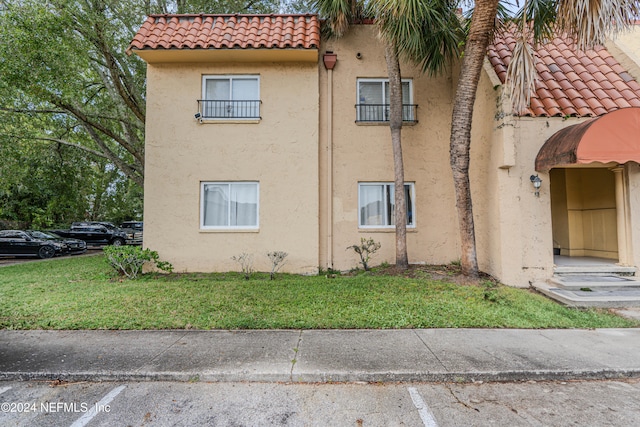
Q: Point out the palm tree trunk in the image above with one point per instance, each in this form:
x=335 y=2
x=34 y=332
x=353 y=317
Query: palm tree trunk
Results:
x=395 y=125
x=480 y=34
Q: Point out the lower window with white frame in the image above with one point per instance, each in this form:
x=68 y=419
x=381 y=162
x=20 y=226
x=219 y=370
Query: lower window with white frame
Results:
x=229 y=205
x=376 y=204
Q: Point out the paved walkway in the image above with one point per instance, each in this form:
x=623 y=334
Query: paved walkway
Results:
x=321 y=355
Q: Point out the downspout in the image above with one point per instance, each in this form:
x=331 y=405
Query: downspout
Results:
x=329 y=59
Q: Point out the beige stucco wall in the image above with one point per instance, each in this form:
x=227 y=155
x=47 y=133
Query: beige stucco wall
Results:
x=591 y=209
x=625 y=47
x=280 y=152
x=513 y=227
x=309 y=156
x=488 y=155
x=362 y=153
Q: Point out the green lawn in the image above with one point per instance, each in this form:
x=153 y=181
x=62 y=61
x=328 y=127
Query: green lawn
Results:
x=82 y=293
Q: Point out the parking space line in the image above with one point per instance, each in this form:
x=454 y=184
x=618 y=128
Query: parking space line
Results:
x=426 y=415
x=3 y=389
x=88 y=416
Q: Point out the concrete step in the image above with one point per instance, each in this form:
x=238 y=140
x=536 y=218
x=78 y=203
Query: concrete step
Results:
x=584 y=294
x=596 y=270
x=590 y=281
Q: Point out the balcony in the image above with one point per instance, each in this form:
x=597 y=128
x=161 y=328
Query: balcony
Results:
x=376 y=113
x=212 y=109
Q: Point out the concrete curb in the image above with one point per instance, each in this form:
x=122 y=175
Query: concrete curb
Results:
x=326 y=377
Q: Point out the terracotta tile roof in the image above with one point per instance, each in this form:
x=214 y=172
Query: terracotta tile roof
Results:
x=228 y=32
x=571 y=83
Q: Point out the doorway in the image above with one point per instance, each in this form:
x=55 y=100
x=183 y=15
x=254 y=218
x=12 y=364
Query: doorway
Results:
x=584 y=214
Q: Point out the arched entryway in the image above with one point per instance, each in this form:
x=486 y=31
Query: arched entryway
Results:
x=587 y=165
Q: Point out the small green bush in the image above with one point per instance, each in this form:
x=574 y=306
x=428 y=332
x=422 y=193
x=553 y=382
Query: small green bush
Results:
x=129 y=260
x=365 y=250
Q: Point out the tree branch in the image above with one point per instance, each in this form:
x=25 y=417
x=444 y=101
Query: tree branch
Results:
x=27 y=111
x=60 y=141
x=123 y=166
x=139 y=156
x=48 y=111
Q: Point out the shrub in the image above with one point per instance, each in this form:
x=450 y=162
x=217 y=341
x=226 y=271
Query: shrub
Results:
x=129 y=260
x=365 y=249
x=277 y=261
x=246 y=263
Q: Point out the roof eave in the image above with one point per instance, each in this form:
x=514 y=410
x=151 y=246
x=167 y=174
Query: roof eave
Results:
x=159 y=55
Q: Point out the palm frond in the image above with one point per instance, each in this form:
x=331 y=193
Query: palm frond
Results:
x=427 y=32
x=521 y=74
x=590 y=22
x=338 y=14
x=539 y=17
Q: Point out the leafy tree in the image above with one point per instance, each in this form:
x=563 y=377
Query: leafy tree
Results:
x=72 y=105
x=42 y=188
x=215 y=6
x=64 y=63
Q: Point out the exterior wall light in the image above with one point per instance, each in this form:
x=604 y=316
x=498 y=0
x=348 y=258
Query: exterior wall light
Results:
x=536 y=182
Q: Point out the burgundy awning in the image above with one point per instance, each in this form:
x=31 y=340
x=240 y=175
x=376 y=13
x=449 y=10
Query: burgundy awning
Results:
x=614 y=137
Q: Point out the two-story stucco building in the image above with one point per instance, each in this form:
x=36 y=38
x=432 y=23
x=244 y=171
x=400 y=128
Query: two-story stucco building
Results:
x=260 y=137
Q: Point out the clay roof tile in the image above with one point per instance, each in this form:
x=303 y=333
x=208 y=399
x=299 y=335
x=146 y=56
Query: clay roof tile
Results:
x=589 y=83
x=543 y=93
x=584 y=111
x=609 y=104
x=228 y=31
x=572 y=94
x=580 y=86
x=606 y=85
x=618 y=83
x=626 y=77
x=601 y=94
x=580 y=103
x=628 y=94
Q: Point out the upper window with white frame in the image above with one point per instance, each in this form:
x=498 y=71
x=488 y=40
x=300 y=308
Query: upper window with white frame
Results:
x=373 y=101
x=376 y=204
x=229 y=205
x=230 y=97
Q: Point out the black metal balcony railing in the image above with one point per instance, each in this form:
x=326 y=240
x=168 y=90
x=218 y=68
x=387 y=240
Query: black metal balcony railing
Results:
x=380 y=112
x=212 y=109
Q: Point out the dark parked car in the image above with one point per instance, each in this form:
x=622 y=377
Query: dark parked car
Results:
x=134 y=225
x=134 y=231
x=95 y=233
x=21 y=243
x=75 y=246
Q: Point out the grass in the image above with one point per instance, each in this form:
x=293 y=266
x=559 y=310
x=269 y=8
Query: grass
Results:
x=82 y=293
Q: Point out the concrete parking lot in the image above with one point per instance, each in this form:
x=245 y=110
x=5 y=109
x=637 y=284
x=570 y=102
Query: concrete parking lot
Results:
x=594 y=403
